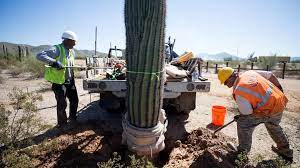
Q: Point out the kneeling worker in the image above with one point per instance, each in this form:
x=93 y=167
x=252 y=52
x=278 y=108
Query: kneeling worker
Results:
x=260 y=99
x=62 y=78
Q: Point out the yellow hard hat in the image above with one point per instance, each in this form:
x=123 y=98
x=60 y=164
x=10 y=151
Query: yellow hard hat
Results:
x=185 y=57
x=224 y=74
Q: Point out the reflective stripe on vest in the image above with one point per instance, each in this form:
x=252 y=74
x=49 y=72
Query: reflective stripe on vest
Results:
x=264 y=98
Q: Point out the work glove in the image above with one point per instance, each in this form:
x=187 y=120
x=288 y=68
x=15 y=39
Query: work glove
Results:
x=57 y=65
x=236 y=117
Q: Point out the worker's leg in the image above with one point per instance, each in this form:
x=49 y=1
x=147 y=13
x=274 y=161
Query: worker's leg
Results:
x=190 y=65
x=60 y=96
x=276 y=132
x=200 y=61
x=245 y=128
x=73 y=98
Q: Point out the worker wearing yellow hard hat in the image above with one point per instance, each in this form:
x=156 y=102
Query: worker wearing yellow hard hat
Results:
x=260 y=99
x=224 y=74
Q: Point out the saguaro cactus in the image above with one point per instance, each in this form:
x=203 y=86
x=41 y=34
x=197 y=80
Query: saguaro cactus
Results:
x=6 y=52
x=3 y=47
x=145 y=33
x=20 y=53
x=145 y=24
x=27 y=52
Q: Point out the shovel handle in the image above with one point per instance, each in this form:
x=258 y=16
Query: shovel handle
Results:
x=235 y=119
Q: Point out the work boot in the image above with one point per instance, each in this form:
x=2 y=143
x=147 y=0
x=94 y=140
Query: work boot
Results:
x=202 y=78
x=61 y=125
x=287 y=156
x=73 y=123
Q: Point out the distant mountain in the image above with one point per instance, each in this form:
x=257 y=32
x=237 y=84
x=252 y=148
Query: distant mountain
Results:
x=219 y=56
x=33 y=50
x=295 y=59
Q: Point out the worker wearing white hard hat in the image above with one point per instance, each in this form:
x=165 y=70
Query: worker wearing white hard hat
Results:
x=59 y=58
x=69 y=35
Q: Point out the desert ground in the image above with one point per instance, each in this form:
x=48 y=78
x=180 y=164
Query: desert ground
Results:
x=90 y=112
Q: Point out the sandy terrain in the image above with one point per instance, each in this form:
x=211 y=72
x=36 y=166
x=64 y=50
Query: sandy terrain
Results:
x=200 y=117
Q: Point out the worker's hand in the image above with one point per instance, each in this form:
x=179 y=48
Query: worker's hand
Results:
x=57 y=65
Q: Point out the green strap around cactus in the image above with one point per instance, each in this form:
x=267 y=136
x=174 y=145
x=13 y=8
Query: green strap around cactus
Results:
x=145 y=33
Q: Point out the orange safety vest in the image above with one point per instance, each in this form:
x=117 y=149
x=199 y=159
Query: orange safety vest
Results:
x=265 y=98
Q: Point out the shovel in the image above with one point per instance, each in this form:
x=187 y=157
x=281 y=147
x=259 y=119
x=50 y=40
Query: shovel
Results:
x=234 y=119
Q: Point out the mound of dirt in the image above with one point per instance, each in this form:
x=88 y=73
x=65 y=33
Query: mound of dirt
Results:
x=81 y=146
x=201 y=148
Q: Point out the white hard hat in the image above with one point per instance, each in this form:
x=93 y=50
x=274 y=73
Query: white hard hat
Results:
x=69 y=35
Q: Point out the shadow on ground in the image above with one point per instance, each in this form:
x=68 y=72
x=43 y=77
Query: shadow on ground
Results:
x=93 y=139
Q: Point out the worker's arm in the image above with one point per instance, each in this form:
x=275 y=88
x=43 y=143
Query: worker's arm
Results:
x=271 y=77
x=275 y=81
x=244 y=105
x=48 y=56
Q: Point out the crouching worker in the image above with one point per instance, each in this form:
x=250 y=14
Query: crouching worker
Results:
x=59 y=59
x=260 y=99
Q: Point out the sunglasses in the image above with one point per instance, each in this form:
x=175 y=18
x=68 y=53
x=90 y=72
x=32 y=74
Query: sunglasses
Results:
x=225 y=83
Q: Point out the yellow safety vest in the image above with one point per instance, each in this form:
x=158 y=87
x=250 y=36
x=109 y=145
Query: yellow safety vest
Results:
x=58 y=76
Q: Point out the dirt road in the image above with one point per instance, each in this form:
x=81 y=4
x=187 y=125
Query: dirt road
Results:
x=200 y=117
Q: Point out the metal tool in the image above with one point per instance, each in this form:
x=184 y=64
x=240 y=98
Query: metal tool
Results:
x=235 y=119
x=88 y=67
x=84 y=67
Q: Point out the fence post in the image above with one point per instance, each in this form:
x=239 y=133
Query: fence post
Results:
x=216 y=68
x=283 y=70
x=86 y=70
x=239 y=67
x=252 y=65
x=207 y=66
x=267 y=67
x=226 y=64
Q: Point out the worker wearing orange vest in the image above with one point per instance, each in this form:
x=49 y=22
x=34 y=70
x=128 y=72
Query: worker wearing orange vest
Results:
x=260 y=99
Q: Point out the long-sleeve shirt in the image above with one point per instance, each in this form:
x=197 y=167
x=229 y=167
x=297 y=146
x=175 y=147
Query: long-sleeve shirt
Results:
x=49 y=56
x=244 y=105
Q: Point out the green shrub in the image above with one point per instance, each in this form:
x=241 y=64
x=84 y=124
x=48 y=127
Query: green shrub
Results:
x=23 y=121
x=13 y=159
x=1 y=80
x=29 y=64
x=241 y=160
x=3 y=64
x=19 y=125
x=34 y=66
x=270 y=61
x=139 y=162
x=116 y=162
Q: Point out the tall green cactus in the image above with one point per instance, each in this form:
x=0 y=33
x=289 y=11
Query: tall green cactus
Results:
x=145 y=33
x=20 y=53
x=3 y=47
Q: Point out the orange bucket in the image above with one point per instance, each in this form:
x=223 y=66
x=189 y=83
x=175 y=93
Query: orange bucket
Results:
x=218 y=115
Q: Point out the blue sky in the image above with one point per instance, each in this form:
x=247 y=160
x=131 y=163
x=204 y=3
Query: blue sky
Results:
x=202 y=26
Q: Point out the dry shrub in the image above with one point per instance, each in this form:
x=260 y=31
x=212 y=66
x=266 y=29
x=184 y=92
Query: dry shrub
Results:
x=1 y=80
x=18 y=126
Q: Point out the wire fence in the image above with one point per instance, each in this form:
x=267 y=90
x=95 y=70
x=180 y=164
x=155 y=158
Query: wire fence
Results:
x=282 y=69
